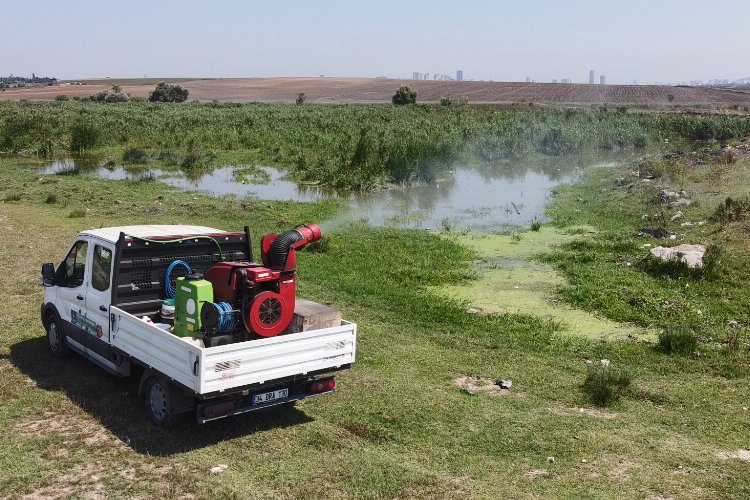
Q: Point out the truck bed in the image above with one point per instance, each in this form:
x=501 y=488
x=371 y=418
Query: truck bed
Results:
x=211 y=370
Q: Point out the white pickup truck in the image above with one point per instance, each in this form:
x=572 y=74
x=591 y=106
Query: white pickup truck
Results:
x=101 y=299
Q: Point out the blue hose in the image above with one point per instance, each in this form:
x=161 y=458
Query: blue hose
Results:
x=227 y=318
x=168 y=288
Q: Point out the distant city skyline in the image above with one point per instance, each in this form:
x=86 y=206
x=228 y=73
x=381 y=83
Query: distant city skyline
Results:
x=648 y=41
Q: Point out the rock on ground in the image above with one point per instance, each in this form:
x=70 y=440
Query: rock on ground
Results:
x=691 y=255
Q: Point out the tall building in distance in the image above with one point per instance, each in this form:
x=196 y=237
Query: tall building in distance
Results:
x=460 y=75
x=591 y=77
x=416 y=75
x=602 y=80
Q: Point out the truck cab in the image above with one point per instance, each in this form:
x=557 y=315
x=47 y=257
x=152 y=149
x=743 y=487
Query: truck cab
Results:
x=105 y=301
x=77 y=300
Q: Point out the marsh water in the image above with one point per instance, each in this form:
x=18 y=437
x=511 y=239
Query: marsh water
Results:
x=474 y=195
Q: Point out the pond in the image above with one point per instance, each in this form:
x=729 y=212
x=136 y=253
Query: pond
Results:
x=474 y=195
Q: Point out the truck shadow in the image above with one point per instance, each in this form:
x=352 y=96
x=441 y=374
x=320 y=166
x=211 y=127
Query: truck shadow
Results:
x=114 y=402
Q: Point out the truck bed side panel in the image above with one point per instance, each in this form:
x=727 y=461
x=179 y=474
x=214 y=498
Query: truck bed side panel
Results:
x=159 y=349
x=227 y=367
x=258 y=361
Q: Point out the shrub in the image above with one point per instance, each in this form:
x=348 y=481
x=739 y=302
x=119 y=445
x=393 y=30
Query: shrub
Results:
x=135 y=155
x=62 y=97
x=12 y=197
x=732 y=210
x=146 y=177
x=108 y=97
x=51 y=198
x=445 y=101
x=83 y=137
x=536 y=225
x=112 y=97
x=659 y=168
x=714 y=261
x=728 y=157
x=167 y=156
x=190 y=161
x=300 y=99
x=196 y=163
x=604 y=385
x=737 y=339
x=77 y=213
x=16 y=133
x=677 y=340
x=166 y=92
x=404 y=95
x=557 y=142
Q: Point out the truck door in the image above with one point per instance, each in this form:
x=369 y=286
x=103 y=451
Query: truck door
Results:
x=98 y=298
x=70 y=299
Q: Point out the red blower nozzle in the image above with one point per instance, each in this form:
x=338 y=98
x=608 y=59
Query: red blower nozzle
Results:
x=277 y=251
x=310 y=233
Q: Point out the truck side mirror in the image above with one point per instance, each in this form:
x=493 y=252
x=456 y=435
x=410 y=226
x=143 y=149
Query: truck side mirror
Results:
x=48 y=274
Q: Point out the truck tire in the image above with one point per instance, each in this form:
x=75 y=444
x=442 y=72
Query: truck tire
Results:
x=160 y=401
x=57 y=342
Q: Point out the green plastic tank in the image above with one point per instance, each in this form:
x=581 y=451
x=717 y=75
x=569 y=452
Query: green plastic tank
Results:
x=190 y=294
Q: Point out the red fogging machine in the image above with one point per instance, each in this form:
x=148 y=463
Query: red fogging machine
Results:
x=263 y=294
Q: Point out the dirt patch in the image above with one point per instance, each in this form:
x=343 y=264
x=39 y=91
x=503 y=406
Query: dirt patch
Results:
x=5 y=365
x=623 y=470
x=743 y=455
x=77 y=480
x=475 y=384
x=536 y=474
x=42 y=425
x=586 y=412
x=342 y=89
x=450 y=487
x=368 y=433
x=73 y=427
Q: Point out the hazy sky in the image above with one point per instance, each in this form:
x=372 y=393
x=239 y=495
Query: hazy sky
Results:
x=644 y=40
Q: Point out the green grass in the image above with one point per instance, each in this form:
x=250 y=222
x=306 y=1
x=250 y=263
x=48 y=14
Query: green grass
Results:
x=344 y=146
x=662 y=295
x=398 y=425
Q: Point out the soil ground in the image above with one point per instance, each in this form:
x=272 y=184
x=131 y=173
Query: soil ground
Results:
x=332 y=90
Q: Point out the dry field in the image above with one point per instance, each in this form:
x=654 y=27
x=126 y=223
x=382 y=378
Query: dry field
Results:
x=375 y=90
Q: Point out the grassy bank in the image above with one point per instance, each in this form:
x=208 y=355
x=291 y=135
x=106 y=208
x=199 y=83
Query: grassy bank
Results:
x=356 y=147
x=613 y=272
x=400 y=426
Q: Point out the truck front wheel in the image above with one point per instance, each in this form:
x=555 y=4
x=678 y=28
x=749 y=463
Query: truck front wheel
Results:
x=57 y=342
x=160 y=403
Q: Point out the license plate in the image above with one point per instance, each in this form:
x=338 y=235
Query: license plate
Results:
x=265 y=397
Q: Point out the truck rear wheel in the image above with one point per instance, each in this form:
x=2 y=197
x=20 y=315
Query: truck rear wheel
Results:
x=57 y=342
x=160 y=403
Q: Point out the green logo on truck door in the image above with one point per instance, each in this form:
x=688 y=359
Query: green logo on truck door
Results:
x=85 y=324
